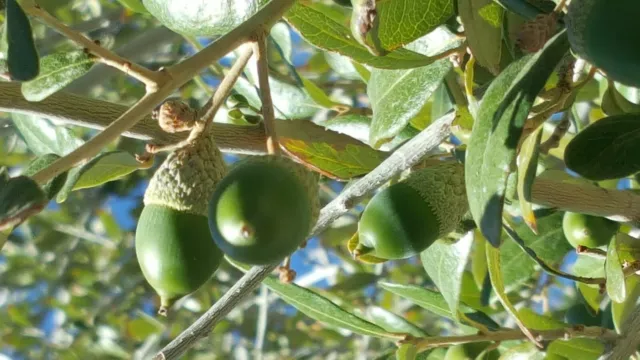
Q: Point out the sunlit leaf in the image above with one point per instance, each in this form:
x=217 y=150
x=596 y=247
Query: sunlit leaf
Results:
x=406 y=352
x=482 y=21
x=43 y=138
x=57 y=71
x=445 y=263
x=367 y=258
x=20 y=198
x=107 y=167
x=497 y=131
x=620 y=311
x=616 y=287
x=392 y=322
x=52 y=187
x=339 y=162
x=527 y=165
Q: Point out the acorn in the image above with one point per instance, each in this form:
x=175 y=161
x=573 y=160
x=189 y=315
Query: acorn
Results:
x=588 y=230
x=604 y=32
x=405 y=218
x=173 y=245
x=264 y=209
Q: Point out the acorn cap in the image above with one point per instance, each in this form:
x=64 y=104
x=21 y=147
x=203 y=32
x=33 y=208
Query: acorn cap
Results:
x=187 y=178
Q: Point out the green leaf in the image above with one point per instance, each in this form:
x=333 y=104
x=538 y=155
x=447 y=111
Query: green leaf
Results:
x=591 y=295
x=354 y=282
x=525 y=351
x=143 y=326
x=342 y=65
x=550 y=245
x=403 y=21
x=497 y=280
x=319 y=96
x=22 y=56
x=358 y=127
x=106 y=167
x=338 y=162
x=483 y=22
x=536 y=321
x=606 y=149
x=289 y=101
x=397 y=96
x=445 y=264
x=479 y=259
x=614 y=103
x=392 y=322
x=325 y=33
x=497 y=131
x=616 y=287
x=521 y=7
x=57 y=71
x=406 y=352
x=587 y=266
x=134 y=5
x=621 y=311
x=319 y=307
x=20 y=198
x=527 y=166
x=434 y=302
x=583 y=349
x=43 y=138
x=367 y=258
x=52 y=187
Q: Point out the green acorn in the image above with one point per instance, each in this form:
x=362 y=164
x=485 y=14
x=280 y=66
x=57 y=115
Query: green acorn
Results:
x=264 y=209
x=605 y=33
x=407 y=217
x=173 y=245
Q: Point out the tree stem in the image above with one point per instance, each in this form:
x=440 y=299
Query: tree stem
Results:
x=591 y=332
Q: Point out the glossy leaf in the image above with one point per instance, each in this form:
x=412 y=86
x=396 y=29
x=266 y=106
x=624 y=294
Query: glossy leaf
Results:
x=22 y=56
x=616 y=287
x=550 y=246
x=359 y=126
x=52 y=187
x=445 y=264
x=325 y=33
x=134 y=5
x=587 y=266
x=497 y=280
x=20 y=198
x=57 y=71
x=483 y=21
x=606 y=149
x=43 y=138
x=106 y=167
x=392 y=322
x=583 y=349
x=434 y=302
x=319 y=308
x=620 y=311
x=406 y=352
x=527 y=166
x=525 y=351
x=289 y=101
x=537 y=321
x=339 y=162
x=497 y=131
x=398 y=95
x=421 y=16
x=342 y=65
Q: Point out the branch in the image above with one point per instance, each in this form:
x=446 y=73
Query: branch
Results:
x=628 y=345
x=178 y=75
x=262 y=65
x=406 y=156
x=590 y=332
x=151 y=79
x=97 y=114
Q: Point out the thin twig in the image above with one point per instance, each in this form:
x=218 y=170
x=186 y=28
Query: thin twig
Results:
x=152 y=79
x=590 y=332
x=261 y=323
x=406 y=156
x=212 y=106
x=179 y=75
x=273 y=145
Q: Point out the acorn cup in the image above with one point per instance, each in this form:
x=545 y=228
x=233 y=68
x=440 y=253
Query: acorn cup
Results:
x=173 y=245
x=605 y=33
x=264 y=209
x=405 y=218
